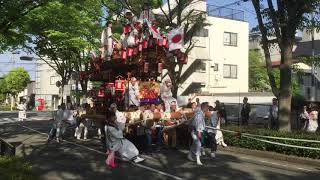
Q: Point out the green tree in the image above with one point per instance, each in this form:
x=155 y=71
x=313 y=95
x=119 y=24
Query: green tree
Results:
x=16 y=80
x=258 y=78
x=11 y=13
x=281 y=19
x=61 y=32
x=3 y=89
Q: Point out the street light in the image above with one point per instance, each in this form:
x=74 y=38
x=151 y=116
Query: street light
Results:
x=26 y=58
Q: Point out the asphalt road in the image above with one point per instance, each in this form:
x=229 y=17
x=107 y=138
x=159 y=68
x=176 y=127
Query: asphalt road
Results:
x=73 y=159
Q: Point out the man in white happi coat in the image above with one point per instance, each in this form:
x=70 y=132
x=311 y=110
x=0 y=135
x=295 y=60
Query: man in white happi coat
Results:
x=134 y=94
x=107 y=41
x=117 y=143
x=22 y=107
x=166 y=94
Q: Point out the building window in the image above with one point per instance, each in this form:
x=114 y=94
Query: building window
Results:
x=230 y=39
x=230 y=71
x=53 y=80
x=201 y=67
x=216 y=67
x=202 y=33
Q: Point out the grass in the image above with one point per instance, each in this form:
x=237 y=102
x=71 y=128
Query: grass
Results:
x=13 y=168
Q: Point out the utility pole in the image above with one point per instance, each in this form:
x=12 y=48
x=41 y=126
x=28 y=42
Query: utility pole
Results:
x=314 y=84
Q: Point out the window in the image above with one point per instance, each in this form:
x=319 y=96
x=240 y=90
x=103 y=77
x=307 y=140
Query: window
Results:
x=230 y=71
x=216 y=67
x=230 y=39
x=202 y=33
x=53 y=80
x=201 y=67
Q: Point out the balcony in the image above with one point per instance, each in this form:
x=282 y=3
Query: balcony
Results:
x=223 y=12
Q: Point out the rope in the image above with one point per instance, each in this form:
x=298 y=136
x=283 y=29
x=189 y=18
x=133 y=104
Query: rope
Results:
x=281 y=144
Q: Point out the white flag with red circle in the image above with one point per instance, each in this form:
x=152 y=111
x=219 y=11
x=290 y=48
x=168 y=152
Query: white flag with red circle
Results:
x=154 y=31
x=175 y=38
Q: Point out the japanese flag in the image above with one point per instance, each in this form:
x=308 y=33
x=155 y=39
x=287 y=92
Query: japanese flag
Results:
x=155 y=32
x=175 y=38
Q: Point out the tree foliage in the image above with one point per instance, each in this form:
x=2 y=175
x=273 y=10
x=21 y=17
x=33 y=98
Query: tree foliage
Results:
x=258 y=78
x=17 y=80
x=11 y=13
x=62 y=34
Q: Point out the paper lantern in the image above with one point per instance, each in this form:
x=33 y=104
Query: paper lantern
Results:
x=126 y=29
x=140 y=47
x=101 y=92
x=146 y=67
x=120 y=85
x=135 y=51
x=110 y=84
x=124 y=54
x=129 y=51
x=145 y=44
x=160 y=67
x=164 y=41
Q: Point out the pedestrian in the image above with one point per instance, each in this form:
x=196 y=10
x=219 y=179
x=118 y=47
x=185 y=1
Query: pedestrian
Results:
x=219 y=135
x=245 y=111
x=273 y=114
x=22 y=107
x=312 y=124
x=223 y=112
x=84 y=122
x=189 y=105
x=57 y=121
x=211 y=133
x=197 y=126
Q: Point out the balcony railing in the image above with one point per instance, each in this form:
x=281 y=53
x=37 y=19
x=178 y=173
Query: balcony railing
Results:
x=224 y=12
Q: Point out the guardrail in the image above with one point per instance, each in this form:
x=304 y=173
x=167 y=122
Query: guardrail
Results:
x=6 y=148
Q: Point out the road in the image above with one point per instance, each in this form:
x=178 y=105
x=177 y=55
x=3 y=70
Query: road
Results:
x=74 y=159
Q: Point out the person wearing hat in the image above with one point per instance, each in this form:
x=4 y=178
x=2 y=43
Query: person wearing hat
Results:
x=134 y=93
x=166 y=95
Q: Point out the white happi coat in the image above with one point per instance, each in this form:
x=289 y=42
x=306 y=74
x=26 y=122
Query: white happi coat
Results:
x=22 y=111
x=106 y=40
x=117 y=143
x=133 y=94
x=166 y=96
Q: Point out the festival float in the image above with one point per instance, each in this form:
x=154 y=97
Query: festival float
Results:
x=129 y=70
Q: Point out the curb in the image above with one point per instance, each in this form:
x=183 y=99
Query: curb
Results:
x=272 y=155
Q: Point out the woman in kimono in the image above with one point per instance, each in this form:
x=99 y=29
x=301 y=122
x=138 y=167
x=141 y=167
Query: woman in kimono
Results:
x=117 y=143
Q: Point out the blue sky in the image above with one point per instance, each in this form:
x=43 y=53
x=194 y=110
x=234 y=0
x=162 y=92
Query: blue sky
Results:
x=8 y=60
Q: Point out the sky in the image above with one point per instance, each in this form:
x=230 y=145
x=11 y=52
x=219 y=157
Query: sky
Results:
x=9 y=60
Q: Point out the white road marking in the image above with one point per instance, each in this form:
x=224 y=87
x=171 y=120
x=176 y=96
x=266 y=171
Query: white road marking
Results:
x=100 y=152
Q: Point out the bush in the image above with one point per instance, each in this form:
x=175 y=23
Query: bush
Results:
x=243 y=142
x=5 y=108
x=15 y=168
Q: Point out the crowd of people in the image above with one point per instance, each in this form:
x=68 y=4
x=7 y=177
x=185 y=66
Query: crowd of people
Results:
x=145 y=136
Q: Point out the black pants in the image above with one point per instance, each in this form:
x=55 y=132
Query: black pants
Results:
x=212 y=142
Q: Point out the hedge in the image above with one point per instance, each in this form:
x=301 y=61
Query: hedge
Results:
x=15 y=168
x=5 y=108
x=243 y=142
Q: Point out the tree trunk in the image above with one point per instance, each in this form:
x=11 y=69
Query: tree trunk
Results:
x=62 y=89
x=77 y=93
x=285 y=95
x=174 y=90
x=12 y=102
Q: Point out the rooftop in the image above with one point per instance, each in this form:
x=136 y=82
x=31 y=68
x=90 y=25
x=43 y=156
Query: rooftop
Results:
x=224 y=12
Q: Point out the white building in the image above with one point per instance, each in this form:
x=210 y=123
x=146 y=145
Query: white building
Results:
x=46 y=87
x=219 y=61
